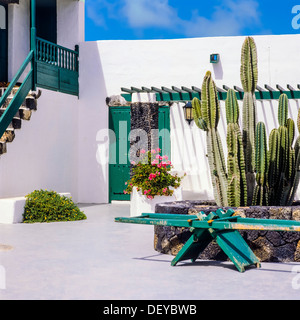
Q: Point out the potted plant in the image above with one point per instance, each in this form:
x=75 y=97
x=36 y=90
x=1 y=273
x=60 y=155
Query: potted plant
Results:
x=152 y=182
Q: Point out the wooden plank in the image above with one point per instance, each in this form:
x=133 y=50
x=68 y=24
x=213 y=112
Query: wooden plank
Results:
x=47 y=76
x=236 y=248
x=257 y=225
x=199 y=240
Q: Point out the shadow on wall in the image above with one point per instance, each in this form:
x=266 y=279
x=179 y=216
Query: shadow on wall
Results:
x=189 y=155
x=218 y=70
x=93 y=117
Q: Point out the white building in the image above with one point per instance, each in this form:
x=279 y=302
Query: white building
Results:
x=65 y=145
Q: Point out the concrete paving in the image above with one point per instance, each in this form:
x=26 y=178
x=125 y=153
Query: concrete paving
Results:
x=98 y=259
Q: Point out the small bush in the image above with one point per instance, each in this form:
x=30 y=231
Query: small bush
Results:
x=49 y=206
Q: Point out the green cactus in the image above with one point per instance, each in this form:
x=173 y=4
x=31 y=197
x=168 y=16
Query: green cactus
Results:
x=197 y=114
x=237 y=184
x=207 y=115
x=255 y=175
x=274 y=171
x=261 y=192
x=249 y=77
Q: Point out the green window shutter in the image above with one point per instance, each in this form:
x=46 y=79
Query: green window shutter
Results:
x=164 y=130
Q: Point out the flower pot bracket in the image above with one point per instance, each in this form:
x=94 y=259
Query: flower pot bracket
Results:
x=221 y=226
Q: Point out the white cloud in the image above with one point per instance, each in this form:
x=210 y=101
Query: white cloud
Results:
x=228 y=18
x=99 y=10
x=145 y=13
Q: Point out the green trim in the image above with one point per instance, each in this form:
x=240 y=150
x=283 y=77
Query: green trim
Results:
x=19 y=97
x=187 y=94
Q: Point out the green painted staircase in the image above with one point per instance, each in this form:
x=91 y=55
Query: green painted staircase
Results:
x=24 y=113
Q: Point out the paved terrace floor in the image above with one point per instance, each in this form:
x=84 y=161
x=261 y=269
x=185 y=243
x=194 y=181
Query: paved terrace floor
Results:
x=98 y=259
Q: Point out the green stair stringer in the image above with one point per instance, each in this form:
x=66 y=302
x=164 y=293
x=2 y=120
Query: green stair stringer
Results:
x=20 y=95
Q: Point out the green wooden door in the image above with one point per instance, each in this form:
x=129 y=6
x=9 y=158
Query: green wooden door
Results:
x=119 y=165
x=3 y=43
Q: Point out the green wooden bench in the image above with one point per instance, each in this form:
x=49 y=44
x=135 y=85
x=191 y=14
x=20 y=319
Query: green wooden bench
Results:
x=220 y=226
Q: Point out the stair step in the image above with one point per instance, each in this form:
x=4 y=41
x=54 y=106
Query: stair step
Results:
x=8 y=136
x=2 y=147
x=24 y=113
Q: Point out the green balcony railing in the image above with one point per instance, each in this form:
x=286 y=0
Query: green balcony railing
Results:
x=56 y=55
x=56 y=67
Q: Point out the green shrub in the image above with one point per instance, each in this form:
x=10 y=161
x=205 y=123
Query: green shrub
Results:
x=49 y=206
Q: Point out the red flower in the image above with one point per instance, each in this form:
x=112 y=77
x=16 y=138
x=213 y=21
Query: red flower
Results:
x=152 y=176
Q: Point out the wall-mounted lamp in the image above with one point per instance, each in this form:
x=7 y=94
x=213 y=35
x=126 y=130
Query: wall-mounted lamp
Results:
x=214 y=58
x=188 y=112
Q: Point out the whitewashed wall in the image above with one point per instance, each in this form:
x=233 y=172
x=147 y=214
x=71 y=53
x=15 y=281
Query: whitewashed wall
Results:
x=106 y=66
x=44 y=153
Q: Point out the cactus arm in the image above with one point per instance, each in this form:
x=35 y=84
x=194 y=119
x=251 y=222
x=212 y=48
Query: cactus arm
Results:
x=261 y=196
x=249 y=70
x=237 y=185
x=282 y=109
x=274 y=171
x=197 y=114
x=232 y=107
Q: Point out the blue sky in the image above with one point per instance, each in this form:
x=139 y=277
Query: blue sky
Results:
x=172 y=19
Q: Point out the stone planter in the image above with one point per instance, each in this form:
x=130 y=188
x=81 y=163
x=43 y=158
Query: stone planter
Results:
x=267 y=245
x=141 y=204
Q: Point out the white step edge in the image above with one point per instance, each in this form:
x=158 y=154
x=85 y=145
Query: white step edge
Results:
x=12 y=209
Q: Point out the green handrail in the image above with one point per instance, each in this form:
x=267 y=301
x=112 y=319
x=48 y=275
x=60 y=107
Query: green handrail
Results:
x=20 y=95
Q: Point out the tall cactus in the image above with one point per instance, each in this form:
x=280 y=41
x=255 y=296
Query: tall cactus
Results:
x=237 y=185
x=255 y=175
x=207 y=116
x=249 y=78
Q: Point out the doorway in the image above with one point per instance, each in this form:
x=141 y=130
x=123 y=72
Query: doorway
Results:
x=3 y=43
x=46 y=20
x=119 y=164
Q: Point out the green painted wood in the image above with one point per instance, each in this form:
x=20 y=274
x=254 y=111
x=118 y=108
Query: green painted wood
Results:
x=237 y=250
x=16 y=78
x=169 y=95
x=164 y=130
x=199 y=240
x=15 y=103
x=221 y=226
x=119 y=165
x=3 y=44
x=56 y=67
